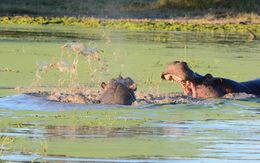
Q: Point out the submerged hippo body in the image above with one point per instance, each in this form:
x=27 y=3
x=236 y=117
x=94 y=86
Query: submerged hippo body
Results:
x=207 y=86
x=118 y=91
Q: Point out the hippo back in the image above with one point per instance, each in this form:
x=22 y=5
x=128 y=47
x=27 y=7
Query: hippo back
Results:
x=253 y=86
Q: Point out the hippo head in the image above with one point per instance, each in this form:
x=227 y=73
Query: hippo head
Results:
x=118 y=91
x=128 y=82
x=192 y=83
x=178 y=71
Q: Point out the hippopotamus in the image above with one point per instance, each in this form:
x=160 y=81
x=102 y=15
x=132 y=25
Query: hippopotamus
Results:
x=118 y=91
x=206 y=86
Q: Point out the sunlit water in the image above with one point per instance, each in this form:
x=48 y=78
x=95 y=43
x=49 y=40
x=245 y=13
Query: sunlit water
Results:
x=212 y=130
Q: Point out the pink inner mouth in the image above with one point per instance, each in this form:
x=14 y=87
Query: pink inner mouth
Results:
x=173 y=78
x=178 y=79
x=188 y=87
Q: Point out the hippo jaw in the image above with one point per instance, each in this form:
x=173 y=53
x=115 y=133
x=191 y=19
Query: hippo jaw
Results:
x=178 y=71
x=193 y=84
x=172 y=77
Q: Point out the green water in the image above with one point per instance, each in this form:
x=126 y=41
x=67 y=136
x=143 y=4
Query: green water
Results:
x=212 y=130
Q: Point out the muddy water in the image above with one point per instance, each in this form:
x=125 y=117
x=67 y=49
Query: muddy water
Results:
x=212 y=130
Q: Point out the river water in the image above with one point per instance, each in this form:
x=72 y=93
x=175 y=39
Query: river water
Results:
x=212 y=130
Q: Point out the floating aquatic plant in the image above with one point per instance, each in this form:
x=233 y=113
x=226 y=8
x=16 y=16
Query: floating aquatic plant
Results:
x=199 y=25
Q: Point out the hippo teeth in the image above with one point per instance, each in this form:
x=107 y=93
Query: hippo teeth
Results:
x=176 y=78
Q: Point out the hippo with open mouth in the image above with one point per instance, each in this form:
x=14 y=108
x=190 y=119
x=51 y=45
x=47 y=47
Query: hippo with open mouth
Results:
x=207 y=86
x=118 y=91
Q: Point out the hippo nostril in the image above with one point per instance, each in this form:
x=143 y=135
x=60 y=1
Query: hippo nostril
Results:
x=162 y=76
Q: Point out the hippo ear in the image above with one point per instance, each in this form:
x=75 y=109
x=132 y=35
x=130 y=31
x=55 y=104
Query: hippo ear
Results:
x=208 y=77
x=120 y=76
x=103 y=85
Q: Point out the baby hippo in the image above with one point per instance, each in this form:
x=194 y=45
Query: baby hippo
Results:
x=118 y=91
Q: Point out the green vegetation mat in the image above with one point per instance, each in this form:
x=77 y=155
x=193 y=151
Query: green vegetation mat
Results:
x=132 y=24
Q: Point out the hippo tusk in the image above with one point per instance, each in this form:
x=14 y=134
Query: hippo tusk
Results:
x=193 y=90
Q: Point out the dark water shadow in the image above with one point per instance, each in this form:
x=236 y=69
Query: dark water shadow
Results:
x=28 y=102
x=41 y=103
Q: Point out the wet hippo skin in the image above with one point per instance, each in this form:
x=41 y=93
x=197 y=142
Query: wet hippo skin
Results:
x=118 y=91
x=206 y=86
